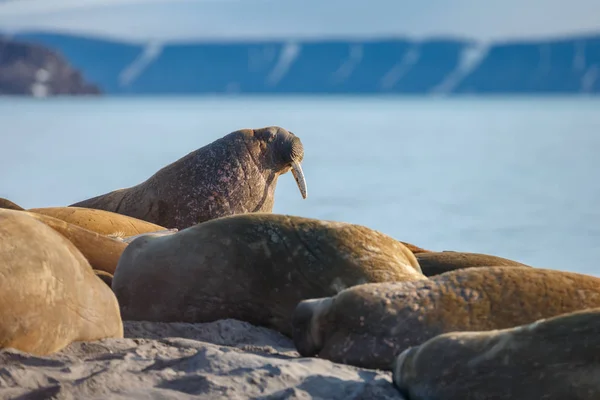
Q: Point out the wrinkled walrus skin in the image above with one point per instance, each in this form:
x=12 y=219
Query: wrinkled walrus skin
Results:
x=368 y=325
x=552 y=359
x=252 y=267
x=49 y=294
x=233 y=175
x=436 y=263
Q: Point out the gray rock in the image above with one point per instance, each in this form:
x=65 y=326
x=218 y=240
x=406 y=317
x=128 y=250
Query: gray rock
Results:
x=225 y=359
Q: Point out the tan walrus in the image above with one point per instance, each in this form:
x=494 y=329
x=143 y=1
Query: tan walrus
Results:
x=436 y=263
x=49 y=294
x=252 y=267
x=102 y=252
x=368 y=325
x=552 y=359
x=233 y=175
x=99 y=221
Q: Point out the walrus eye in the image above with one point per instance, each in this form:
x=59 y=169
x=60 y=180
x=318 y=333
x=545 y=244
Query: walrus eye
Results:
x=269 y=136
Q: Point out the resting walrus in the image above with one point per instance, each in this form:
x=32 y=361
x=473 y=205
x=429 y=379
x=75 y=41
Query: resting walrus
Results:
x=368 y=325
x=100 y=221
x=49 y=294
x=233 y=175
x=102 y=252
x=252 y=267
x=552 y=359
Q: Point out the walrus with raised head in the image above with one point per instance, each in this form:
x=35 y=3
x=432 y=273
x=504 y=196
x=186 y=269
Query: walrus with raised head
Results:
x=252 y=267
x=49 y=294
x=439 y=262
x=233 y=175
x=552 y=359
x=368 y=325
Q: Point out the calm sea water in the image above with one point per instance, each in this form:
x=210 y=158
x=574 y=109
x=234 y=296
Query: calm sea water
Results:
x=514 y=178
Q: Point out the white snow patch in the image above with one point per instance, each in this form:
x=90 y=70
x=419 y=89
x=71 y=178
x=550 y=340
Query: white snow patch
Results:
x=42 y=75
x=589 y=79
x=151 y=52
x=287 y=57
x=470 y=58
x=39 y=88
x=348 y=66
x=395 y=74
x=579 y=57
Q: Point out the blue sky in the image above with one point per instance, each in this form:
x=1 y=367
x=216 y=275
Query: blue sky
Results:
x=166 y=20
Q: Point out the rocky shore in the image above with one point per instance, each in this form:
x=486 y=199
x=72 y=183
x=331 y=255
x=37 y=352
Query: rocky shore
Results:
x=226 y=359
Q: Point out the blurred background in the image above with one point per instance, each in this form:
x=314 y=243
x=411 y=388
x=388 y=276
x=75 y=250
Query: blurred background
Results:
x=454 y=125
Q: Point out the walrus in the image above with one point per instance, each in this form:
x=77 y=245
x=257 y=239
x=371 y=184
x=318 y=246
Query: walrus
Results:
x=252 y=267
x=100 y=221
x=436 y=263
x=550 y=359
x=49 y=294
x=233 y=175
x=102 y=252
x=368 y=325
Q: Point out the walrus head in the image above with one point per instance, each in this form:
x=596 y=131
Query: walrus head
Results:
x=307 y=321
x=402 y=371
x=283 y=151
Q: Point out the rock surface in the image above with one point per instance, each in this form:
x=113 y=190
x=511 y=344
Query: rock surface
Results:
x=32 y=70
x=226 y=359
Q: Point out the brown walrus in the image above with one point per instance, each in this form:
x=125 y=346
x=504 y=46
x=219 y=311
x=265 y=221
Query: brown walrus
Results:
x=233 y=175
x=253 y=267
x=49 y=294
x=552 y=359
x=368 y=325
x=436 y=263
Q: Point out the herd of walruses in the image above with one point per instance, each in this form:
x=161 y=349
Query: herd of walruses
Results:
x=198 y=242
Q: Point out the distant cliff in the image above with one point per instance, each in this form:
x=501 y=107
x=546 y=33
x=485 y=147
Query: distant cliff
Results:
x=401 y=66
x=30 y=69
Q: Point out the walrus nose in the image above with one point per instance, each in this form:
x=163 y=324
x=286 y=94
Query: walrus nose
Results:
x=299 y=177
x=302 y=329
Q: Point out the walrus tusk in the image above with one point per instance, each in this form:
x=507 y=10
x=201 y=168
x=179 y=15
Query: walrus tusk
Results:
x=299 y=177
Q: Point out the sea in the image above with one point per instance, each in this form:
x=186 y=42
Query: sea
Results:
x=514 y=177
